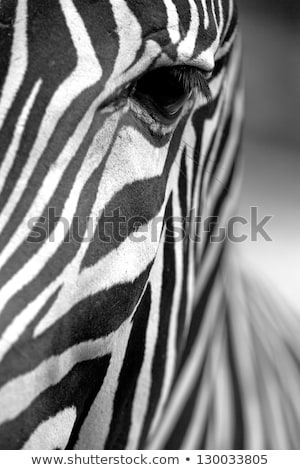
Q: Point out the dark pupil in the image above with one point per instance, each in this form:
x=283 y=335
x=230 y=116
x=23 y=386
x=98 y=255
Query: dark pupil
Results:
x=163 y=90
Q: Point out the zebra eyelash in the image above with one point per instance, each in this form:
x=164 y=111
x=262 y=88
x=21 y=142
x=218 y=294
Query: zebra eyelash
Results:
x=183 y=79
x=191 y=78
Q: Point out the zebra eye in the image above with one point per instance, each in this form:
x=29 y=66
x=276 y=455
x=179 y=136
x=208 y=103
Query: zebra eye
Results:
x=163 y=92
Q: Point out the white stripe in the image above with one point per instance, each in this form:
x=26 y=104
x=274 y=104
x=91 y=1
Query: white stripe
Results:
x=11 y=153
x=173 y=21
x=18 y=62
x=130 y=36
x=206 y=15
x=190 y=284
x=187 y=45
x=189 y=141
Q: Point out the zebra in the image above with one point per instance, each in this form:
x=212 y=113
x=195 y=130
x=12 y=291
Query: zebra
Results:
x=125 y=323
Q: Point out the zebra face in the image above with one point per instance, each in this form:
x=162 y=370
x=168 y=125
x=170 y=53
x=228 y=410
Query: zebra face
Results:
x=108 y=116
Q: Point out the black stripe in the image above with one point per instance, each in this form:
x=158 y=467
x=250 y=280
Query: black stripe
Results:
x=135 y=205
x=133 y=361
x=7 y=17
x=220 y=153
x=183 y=185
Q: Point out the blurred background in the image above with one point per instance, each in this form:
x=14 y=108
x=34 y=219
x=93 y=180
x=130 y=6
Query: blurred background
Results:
x=271 y=152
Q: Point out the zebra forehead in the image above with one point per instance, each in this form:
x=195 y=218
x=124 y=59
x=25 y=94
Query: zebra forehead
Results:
x=195 y=23
x=181 y=27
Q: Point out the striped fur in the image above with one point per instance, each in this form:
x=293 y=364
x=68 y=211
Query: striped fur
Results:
x=124 y=343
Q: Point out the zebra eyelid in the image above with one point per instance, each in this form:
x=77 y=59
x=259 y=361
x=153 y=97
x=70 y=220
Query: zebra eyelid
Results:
x=196 y=79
